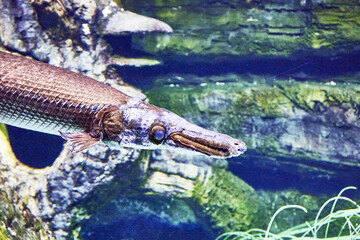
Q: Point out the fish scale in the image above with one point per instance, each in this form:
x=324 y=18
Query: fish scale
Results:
x=45 y=98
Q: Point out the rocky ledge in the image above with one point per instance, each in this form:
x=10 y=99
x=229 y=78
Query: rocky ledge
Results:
x=216 y=29
x=308 y=128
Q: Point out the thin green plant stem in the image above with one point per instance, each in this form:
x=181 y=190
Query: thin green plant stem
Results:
x=318 y=226
x=277 y=212
x=354 y=231
x=333 y=206
x=308 y=230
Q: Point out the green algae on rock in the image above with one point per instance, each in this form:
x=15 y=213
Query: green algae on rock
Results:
x=259 y=28
x=230 y=203
x=291 y=120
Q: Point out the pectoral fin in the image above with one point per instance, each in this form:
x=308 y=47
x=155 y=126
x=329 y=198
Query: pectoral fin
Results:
x=79 y=141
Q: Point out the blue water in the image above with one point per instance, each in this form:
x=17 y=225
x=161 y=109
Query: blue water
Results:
x=274 y=68
x=35 y=149
x=146 y=228
x=273 y=178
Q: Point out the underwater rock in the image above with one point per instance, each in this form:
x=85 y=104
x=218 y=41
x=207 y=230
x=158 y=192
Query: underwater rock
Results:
x=137 y=62
x=125 y=21
x=44 y=30
x=176 y=172
x=217 y=29
x=293 y=123
x=177 y=199
x=226 y=200
x=69 y=33
x=74 y=176
x=230 y=202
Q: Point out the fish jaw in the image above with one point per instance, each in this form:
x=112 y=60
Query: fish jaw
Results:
x=207 y=142
x=209 y=146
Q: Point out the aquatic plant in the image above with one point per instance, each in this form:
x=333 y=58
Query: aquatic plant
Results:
x=320 y=228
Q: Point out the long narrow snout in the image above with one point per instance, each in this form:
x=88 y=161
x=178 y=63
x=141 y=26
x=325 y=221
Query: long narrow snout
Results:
x=209 y=143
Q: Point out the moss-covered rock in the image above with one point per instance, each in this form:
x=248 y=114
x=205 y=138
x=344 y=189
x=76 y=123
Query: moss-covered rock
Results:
x=230 y=203
x=254 y=99
x=290 y=120
x=336 y=24
x=260 y=28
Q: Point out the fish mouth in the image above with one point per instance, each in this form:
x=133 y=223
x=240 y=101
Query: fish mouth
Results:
x=208 y=147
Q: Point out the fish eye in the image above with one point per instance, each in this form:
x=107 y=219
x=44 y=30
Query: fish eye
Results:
x=157 y=134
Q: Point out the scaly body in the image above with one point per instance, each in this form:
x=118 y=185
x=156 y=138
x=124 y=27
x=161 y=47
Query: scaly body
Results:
x=41 y=97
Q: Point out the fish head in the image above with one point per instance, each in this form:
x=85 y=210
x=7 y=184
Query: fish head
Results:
x=147 y=126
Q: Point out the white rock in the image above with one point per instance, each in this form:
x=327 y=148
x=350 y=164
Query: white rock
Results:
x=126 y=21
